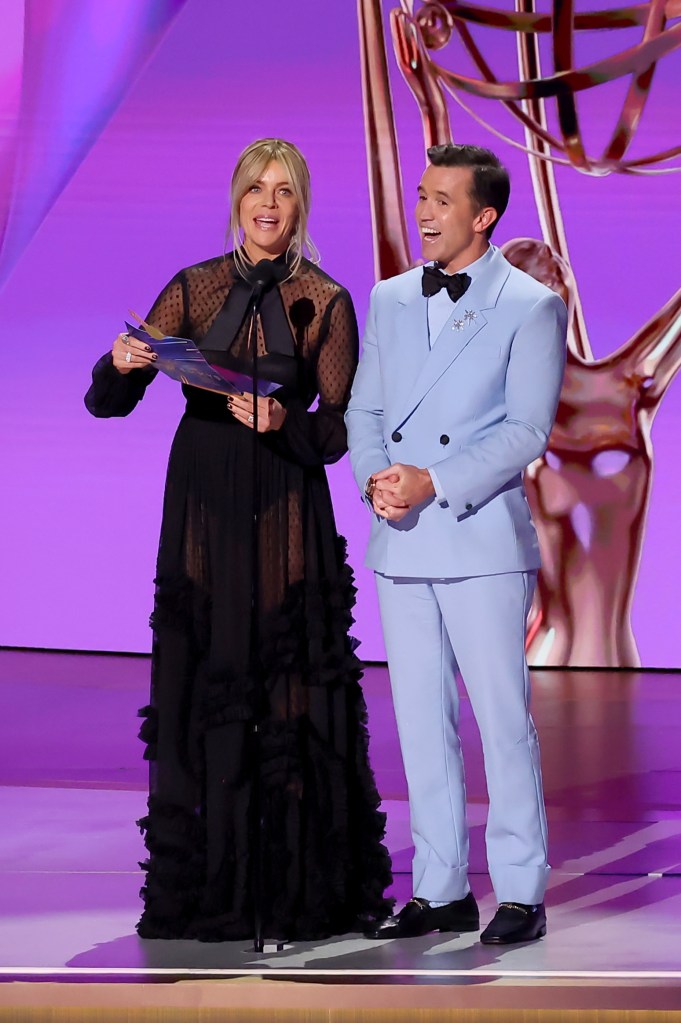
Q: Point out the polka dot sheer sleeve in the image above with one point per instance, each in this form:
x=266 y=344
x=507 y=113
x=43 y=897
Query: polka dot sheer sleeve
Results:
x=116 y=394
x=318 y=437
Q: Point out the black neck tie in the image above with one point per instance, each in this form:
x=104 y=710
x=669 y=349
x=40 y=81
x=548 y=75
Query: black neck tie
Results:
x=434 y=280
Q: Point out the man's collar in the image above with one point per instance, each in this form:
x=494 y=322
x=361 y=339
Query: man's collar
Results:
x=479 y=264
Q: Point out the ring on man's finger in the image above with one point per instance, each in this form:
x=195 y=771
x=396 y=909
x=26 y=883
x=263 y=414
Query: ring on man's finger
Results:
x=128 y=356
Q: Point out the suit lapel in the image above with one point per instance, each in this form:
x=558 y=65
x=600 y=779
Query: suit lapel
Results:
x=466 y=320
x=412 y=336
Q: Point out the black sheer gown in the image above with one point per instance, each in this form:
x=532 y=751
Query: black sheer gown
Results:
x=324 y=865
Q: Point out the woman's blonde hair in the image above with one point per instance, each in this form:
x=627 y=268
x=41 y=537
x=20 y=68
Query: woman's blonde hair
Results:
x=249 y=167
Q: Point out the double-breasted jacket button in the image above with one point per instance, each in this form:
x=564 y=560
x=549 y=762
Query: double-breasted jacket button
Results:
x=444 y=439
x=397 y=436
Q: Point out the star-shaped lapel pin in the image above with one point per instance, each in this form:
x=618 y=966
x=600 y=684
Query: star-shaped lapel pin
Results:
x=469 y=316
x=457 y=325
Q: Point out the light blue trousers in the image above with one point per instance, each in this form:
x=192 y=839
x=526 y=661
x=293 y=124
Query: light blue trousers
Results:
x=477 y=624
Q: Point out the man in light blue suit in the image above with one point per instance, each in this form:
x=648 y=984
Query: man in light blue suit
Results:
x=455 y=395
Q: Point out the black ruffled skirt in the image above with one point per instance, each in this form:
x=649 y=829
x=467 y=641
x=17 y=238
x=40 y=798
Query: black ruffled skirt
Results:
x=322 y=868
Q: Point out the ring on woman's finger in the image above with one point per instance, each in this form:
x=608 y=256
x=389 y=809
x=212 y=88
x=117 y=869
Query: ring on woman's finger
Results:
x=125 y=338
x=128 y=356
x=250 y=419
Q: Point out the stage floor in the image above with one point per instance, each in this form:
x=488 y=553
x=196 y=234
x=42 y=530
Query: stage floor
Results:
x=72 y=783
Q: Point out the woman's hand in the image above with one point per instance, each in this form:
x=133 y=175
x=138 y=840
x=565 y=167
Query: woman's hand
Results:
x=129 y=353
x=271 y=414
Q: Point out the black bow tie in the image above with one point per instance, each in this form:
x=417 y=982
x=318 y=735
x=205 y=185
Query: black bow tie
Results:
x=434 y=280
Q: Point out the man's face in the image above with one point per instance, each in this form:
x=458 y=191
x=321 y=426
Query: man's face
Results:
x=449 y=224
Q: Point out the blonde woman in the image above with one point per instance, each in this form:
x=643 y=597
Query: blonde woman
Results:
x=322 y=864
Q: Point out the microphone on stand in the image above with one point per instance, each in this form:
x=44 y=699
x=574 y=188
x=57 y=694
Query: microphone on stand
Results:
x=260 y=276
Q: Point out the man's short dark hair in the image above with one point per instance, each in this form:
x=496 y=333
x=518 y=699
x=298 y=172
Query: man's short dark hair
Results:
x=490 y=185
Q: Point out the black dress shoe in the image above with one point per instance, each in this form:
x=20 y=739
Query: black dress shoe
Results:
x=514 y=922
x=419 y=917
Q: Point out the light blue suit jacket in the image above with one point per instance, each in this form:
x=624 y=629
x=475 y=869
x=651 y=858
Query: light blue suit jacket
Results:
x=478 y=408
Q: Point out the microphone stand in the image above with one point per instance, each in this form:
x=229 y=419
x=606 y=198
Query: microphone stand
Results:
x=256 y=811
x=261 y=277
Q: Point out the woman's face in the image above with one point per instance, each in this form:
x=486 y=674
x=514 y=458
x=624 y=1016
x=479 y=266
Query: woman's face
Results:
x=268 y=214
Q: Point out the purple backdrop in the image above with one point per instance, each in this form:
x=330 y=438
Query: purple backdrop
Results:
x=127 y=165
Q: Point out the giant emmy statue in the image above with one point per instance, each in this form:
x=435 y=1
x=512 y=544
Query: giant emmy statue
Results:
x=590 y=492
